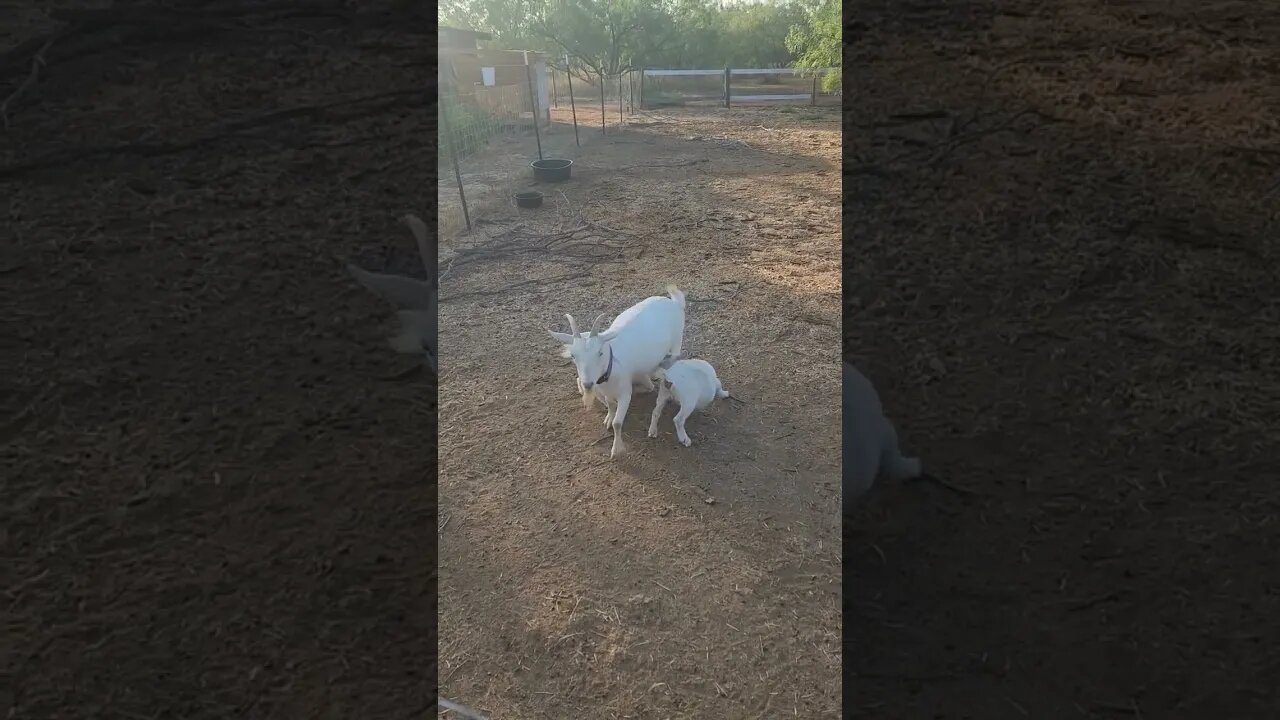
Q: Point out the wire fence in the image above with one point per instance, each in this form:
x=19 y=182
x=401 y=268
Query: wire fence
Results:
x=474 y=116
x=735 y=86
x=489 y=132
x=493 y=128
x=611 y=97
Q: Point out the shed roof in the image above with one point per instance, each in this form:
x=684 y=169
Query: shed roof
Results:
x=477 y=33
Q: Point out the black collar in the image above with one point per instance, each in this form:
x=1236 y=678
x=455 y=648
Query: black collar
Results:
x=607 y=371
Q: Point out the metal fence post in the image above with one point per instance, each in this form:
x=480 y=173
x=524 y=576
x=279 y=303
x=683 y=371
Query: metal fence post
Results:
x=457 y=173
x=602 y=87
x=728 y=87
x=568 y=74
x=533 y=104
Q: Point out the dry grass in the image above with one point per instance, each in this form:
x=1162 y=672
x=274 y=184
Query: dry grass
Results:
x=676 y=582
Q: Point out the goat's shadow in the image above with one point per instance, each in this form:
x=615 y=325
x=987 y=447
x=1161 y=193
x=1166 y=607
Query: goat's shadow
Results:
x=724 y=463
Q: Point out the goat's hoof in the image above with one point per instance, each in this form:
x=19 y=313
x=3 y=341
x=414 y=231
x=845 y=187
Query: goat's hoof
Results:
x=686 y=441
x=653 y=432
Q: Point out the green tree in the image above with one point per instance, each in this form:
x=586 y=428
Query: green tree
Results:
x=607 y=36
x=818 y=42
x=698 y=28
x=599 y=36
x=512 y=22
x=754 y=36
x=612 y=36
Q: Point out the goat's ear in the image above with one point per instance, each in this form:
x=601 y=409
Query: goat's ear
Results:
x=607 y=336
x=427 y=247
x=564 y=338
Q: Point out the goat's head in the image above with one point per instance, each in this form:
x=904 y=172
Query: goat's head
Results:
x=589 y=351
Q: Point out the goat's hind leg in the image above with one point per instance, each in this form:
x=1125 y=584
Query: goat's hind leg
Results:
x=892 y=463
x=686 y=409
x=663 y=395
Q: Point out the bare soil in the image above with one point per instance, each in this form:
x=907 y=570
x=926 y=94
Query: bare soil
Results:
x=1060 y=269
x=673 y=582
x=214 y=505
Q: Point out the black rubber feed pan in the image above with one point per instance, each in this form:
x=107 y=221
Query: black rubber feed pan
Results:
x=531 y=199
x=551 y=170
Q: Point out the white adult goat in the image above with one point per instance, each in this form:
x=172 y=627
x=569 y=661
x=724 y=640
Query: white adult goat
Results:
x=630 y=349
x=870 y=442
x=416 y=299
x=589 y=396
x=694 y=385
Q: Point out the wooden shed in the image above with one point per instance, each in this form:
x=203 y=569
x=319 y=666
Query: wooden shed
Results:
x=452 y=38
x=491 y=77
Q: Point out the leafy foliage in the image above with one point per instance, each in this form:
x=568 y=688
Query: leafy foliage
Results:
x=611 y=36
x=817 y=42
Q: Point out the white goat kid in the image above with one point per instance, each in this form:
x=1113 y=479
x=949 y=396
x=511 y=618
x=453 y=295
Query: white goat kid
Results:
x=870 y=442
x=416 y=299
x=610 y=362
x=694 y=385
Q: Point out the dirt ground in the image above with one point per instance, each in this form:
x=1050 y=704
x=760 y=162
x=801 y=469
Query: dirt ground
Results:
x=675 y=582
x=214 y=504
x=1061 y=271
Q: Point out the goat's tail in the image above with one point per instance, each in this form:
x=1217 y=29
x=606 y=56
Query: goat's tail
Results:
x=901 y=468
x=676 y=295
x=720 y=391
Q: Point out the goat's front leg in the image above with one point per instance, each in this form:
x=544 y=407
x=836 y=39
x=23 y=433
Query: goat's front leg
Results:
x=619 y=417
x=608 y=415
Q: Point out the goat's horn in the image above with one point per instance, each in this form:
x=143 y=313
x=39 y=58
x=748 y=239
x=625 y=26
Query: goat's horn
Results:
x=595 y=326
x=573 y=327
